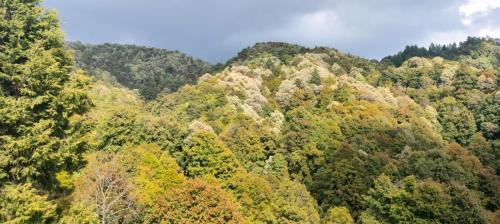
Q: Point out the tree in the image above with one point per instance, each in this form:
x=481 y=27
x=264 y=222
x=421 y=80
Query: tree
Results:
x=256 y=197
x=435 y=164
x=390 y=203
x=465 y=204
x=464 y=157
x=205 y=155
x=297 y=139
x=152 y=172
x=338 y=215
x=118 y=131
x=343 y=181
x=457 y=121
x=294 y=203
x=251 y=143
x=315 y=78
x=39 y=100
x=299 y=84
x=196 y=202
x=103 y=185
x=80 y=213
x=23 y=204
x=414 y=201
x=124 y=186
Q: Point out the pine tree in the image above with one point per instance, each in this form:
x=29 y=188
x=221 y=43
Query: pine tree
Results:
x=40 y=101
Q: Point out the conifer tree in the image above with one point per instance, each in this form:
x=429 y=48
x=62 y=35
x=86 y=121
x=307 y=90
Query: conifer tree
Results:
x=315 y=78
x=40 y=101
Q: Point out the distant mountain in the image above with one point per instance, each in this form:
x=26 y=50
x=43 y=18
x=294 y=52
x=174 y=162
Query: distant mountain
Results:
x=150 y=70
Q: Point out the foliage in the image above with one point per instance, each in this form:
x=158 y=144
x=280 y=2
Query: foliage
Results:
x=283 y=51
x=279 y=134
x=153 y=172
x=315 y=78
x=419 y=201
x=338 y=215
x=80 y=213
x=103 y=185
x=206 y=155
x=197 y=202
x=40 y=102
x=24 y=204
x=450 y=51
x=150 y=70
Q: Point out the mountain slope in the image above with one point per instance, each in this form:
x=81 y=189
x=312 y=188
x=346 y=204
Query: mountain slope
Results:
x=287 y=134
x=150 y=70
x=356 y=132
x=280 y=134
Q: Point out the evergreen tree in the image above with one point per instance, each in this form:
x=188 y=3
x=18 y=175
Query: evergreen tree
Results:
x=39 y=100
x=315 y=78
x=23 y=204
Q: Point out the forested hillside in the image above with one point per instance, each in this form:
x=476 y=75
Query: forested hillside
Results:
x=279 y=134
x=150 y=70
x=471 y=49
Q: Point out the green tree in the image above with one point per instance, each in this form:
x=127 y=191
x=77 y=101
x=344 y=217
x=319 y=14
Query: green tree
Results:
x=251 y=143
x=338 y=215
x=205 y=155
x=435 y=164
x=457 y=121
x=343 y=181
x=294 y=203
x=413 y=201
x=80 y=213
x=256 y=197
x=153 y=172
x=315 y=78
x=304 y=157
x=39 y=99
x=24 y=204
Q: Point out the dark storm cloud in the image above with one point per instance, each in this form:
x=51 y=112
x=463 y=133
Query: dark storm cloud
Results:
x=216 y=30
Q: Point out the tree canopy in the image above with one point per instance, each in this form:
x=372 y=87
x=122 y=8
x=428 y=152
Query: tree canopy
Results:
x=279 y=134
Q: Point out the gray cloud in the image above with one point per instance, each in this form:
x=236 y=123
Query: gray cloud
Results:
x=216 y=30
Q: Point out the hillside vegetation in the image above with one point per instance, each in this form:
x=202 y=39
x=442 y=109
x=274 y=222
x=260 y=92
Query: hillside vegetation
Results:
x=472 y=49
x=150 y=70
x=279 y=134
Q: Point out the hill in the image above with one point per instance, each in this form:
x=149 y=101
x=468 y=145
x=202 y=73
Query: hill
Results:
x=334 y=135
x=279 y=134
x=150 y=70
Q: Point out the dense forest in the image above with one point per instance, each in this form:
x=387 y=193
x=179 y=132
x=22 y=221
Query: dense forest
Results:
x=149 y=70
x=473 y=47
x=278 y=134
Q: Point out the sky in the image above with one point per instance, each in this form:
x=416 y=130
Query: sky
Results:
x=217 y=30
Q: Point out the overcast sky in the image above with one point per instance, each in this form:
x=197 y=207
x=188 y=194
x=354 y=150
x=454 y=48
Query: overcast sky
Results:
x=215 y=30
